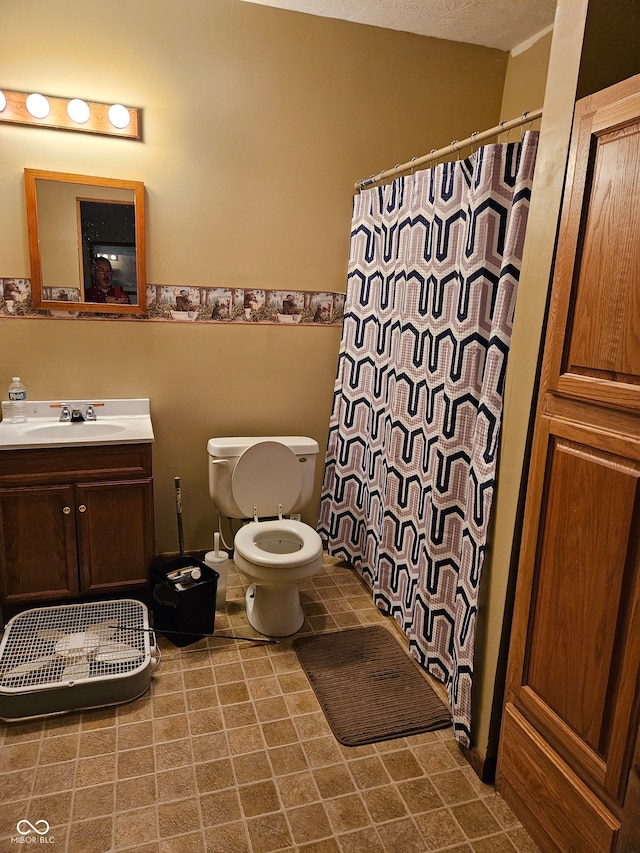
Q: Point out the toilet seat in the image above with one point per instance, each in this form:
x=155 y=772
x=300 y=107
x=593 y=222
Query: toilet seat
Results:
x=266 y=480
x=247 y=543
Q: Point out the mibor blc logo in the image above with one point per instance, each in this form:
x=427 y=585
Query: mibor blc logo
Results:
x=32 y=833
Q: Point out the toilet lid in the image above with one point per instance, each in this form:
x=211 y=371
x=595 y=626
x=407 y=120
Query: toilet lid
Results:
x=266 y=475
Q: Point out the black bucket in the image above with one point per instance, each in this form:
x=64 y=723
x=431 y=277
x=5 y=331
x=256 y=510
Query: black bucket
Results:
x=184 y=613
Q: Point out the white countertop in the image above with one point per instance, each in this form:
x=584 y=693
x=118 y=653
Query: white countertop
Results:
x=120 y=421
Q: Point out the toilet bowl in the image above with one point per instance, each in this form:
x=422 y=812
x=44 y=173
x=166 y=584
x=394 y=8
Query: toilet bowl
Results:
x=275 y=556
x=266 y=478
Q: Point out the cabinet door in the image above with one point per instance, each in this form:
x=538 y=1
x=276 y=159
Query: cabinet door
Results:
x=38 y=543
x=115 y=534
x=572 y=701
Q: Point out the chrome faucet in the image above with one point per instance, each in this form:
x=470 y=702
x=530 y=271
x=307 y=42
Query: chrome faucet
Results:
x=74 y=414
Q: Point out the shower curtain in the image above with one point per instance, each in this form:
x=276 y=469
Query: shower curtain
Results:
x=409 y=473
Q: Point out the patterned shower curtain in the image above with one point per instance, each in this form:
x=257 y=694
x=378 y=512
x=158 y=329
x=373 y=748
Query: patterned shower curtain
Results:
x=409 y=474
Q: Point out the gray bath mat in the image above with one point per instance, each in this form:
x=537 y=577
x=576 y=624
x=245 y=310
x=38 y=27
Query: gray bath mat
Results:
x=368 y=687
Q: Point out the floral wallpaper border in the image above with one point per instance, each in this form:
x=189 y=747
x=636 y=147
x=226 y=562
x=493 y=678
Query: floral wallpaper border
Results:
x=187 y=304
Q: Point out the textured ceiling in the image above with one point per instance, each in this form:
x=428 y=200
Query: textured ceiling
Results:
x=503 y=24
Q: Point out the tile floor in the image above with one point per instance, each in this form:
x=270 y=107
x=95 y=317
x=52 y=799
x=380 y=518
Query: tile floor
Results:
x=229 y=752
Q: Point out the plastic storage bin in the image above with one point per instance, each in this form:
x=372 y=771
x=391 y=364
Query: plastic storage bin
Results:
x=185 y=613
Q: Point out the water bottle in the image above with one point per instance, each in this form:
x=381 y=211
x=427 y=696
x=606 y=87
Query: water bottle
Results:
x=18 y=400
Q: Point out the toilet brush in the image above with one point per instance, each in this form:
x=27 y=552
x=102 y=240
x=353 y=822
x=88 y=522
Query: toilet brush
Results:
x=219 y=561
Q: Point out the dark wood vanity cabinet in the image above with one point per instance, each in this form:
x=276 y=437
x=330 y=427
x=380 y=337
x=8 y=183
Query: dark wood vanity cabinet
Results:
x=75 y=521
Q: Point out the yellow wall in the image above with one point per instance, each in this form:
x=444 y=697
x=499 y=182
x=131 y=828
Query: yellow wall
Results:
x=257 y=122
x=526 y=79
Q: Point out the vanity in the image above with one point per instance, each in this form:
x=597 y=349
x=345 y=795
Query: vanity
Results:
x=76 y=502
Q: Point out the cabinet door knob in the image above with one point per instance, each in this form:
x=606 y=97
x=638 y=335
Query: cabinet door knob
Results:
x=66 y=510
x=82 y=508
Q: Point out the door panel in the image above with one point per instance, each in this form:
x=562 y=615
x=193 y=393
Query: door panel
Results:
x=583 y=603
x=572 y=702
x=563 y=813
x=115 y=529
x=604 y=339
x=575 y=616
x=37 y=543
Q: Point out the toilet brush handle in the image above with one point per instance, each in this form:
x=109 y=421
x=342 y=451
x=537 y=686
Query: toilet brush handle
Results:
x=179 y=515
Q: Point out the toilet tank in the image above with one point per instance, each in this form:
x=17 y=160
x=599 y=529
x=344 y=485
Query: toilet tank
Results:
x=225 y=452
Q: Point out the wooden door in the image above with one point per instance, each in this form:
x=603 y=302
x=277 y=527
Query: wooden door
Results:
x=115 y=534
x=572 y=701
x=38 y=556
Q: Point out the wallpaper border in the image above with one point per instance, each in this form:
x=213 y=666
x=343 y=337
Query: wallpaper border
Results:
x=189 y=304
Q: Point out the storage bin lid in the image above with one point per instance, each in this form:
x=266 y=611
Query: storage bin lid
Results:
x=230 y=447
x=267 y=475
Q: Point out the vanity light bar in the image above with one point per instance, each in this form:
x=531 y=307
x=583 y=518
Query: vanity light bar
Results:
x=70 y=114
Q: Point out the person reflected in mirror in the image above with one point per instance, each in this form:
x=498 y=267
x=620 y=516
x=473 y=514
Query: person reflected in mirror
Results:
x=102 y=288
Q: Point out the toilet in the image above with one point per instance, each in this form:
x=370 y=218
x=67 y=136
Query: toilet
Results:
x=264 y=479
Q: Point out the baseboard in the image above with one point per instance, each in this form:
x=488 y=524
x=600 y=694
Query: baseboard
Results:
x=484 y=768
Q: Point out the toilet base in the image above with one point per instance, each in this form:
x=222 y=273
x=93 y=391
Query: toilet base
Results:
x=274 y=612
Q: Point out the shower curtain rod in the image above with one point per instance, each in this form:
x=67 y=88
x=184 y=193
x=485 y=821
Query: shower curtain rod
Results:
x=450 y=149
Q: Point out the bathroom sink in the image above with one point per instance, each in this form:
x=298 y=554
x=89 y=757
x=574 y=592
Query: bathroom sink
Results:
x=117 y=422
x=71 y=432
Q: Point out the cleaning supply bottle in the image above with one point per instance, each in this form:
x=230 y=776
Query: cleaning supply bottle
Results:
x=18 y=400
x=219 y=561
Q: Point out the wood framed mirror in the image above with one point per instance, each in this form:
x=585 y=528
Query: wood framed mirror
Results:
x=86 y=243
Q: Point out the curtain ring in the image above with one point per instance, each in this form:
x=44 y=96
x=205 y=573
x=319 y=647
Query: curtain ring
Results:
x=524 y=121
x=413 y=165
x=473 y=138
x=500 y=126
x=454 y=145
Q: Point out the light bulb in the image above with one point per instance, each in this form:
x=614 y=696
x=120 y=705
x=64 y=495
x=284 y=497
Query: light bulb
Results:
x=78 y=110
x=119 y=116
x=38 y=106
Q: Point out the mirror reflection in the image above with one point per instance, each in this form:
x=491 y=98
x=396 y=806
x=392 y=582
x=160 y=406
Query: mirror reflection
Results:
x=86 y=242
